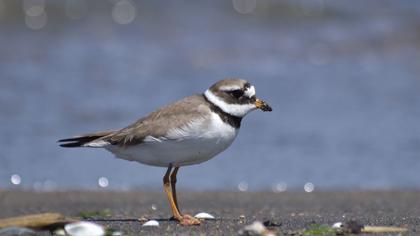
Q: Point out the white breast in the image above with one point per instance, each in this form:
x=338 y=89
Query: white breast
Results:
x=196 y=142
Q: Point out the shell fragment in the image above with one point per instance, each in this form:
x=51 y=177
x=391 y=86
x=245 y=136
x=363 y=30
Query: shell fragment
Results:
x=151 y=223
x=84 y=228
x=204 y=216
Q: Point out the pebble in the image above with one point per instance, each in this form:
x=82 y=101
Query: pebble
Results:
x=205 y=216
x=241 y=219
x=151 y=223
x=117 y=233
x=270 y=223
x=256 y=228
x=59 y=232
x=143 y=219
x=17 y=231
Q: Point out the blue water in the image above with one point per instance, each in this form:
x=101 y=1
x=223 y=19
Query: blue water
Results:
x=342 y=77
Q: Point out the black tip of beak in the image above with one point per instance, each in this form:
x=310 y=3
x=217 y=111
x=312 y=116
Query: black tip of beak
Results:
x=266 y=107
x=262 y=105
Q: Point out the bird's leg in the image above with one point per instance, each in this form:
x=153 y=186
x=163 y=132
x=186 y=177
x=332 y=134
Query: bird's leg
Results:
x=167 y=188
x=173 y=185
x=186 y=219
x=169 y=183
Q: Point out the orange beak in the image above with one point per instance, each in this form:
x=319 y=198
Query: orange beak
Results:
x=260 y=104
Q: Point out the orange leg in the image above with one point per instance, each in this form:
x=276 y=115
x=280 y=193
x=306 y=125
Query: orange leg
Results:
x=171 y=194
x=173 y=185
x=167 y=188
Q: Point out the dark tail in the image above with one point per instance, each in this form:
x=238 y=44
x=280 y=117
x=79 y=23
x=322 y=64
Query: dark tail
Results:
x=83 y=139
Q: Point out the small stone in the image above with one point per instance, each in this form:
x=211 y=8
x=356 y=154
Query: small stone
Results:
x=117 y=233
x=18 y=231
x=353 y=226
x=151 y=223
x=143 y=219
x=204 y=216
x=241 y=219
x=270 y=223
x=59 y=232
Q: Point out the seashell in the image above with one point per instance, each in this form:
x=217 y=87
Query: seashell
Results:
x=151 y=223
x=204 y=215
x=337 y=225
x=256 y=228
x=84 y=228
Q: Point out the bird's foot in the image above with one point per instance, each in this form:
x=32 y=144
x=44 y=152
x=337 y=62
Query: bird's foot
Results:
x=187 y=220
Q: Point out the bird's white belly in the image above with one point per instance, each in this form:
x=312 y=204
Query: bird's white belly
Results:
x=194 y=144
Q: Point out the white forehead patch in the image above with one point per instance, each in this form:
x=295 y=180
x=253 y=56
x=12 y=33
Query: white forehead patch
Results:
x=250 y=92
x=229 y=88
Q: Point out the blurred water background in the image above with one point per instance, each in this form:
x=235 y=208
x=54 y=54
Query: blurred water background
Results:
x=342 y=77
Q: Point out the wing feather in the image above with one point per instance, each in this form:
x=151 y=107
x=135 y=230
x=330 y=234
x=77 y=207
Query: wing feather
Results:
x=159 y=123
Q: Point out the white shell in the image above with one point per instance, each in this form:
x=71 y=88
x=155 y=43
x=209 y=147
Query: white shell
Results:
x=151 y=223
x=204 y=215
x=256 y=228
x=337 y=225
x=84 y=228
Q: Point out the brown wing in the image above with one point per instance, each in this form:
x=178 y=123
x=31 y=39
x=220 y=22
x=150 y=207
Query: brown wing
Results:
x=83 y=139
x=158 y=123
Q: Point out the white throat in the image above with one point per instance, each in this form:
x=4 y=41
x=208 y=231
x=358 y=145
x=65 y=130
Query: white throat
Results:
x=239 y=110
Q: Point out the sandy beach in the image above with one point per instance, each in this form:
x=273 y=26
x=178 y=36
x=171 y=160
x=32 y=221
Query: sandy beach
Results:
x=287 y=212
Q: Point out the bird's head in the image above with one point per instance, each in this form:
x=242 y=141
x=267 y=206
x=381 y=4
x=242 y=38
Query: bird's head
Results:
x=235 y=97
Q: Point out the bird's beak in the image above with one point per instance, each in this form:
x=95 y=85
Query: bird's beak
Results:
x=260 y=104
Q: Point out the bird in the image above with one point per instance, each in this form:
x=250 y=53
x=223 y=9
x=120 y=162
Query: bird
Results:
x=187 y=132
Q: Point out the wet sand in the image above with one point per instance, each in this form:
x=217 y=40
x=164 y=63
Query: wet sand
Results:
x=288 y=211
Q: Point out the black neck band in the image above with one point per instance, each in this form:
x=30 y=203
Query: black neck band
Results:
x=234 y=121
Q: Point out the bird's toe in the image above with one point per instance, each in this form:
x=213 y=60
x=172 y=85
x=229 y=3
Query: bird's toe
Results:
x=189 y=220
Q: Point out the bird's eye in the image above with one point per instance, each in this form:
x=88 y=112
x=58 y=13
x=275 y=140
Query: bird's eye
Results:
x=237 y=93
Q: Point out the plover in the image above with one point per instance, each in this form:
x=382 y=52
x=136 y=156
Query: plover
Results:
x=187 y=132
